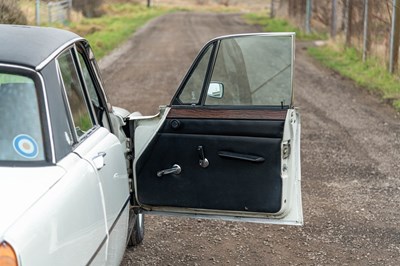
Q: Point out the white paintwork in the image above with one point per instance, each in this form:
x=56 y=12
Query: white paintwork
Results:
x=61 y=217
x=146 y=127
x=114 y=183
x=66 y=225
x=117 y=122
x=292 y=208
x=118 y=236
x=20 y=188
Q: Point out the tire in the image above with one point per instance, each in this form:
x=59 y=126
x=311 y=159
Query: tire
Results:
x=137 y=233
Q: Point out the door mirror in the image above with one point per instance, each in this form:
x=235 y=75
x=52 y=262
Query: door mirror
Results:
x=216 y=90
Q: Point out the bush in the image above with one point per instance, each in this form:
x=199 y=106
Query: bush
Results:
x=89 y=8
x=202 y=2
x=10 y=13
x=224 y=2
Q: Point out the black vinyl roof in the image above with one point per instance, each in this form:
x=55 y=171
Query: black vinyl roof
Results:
x=29 y=46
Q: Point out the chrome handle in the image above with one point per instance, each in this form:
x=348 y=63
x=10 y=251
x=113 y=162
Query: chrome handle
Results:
x=98 y=160
x=203 y=162
x=176 y=170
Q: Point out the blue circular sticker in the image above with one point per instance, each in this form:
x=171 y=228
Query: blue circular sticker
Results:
x=26 y=146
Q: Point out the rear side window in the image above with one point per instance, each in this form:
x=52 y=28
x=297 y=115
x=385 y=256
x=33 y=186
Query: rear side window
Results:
x=20 y=125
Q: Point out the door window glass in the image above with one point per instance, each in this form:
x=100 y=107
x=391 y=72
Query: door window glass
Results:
x=73 y=88
x=88 y=81
x=252 y=70
x=99 y=109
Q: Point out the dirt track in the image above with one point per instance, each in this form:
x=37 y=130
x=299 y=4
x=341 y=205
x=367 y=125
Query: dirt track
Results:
x=350 y=160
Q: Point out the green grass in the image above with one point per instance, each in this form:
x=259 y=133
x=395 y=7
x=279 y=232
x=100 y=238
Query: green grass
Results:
x=117 y=25
x=371 y=74
x=280 y=25
x=121 y=21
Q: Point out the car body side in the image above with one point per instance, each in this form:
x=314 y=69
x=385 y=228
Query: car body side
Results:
x=76 y=217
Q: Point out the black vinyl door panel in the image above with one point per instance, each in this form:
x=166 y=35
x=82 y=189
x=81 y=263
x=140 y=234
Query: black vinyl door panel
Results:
x=243 y=172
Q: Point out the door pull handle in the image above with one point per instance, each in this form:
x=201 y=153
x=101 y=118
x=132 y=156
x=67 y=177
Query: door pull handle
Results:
x=176 y=170
x=98 y=160
x=240 y=156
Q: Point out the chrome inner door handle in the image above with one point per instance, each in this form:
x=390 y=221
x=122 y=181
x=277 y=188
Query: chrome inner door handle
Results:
x=176 y=170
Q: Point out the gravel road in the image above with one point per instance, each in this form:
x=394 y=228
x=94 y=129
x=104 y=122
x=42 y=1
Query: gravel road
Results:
x=350 y=160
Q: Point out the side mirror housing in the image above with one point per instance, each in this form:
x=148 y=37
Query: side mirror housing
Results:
x=216 y=90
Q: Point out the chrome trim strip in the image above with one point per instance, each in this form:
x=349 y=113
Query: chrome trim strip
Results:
x=84 y=84
x=109 y=232
x=292 y=68
x=18 y=66
x=56 y=52
x=50 y=131
x=269 y=34
x=68 y=112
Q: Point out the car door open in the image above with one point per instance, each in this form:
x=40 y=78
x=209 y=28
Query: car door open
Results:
x=228 y=145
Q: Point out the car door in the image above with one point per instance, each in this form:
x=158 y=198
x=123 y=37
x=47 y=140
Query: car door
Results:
x=228 y=146
x=95 y=144
x=107 y=156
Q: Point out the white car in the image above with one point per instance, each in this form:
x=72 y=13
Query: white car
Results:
x=77 y=175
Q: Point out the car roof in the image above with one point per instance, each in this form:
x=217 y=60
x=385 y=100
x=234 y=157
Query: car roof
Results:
x=30 y=46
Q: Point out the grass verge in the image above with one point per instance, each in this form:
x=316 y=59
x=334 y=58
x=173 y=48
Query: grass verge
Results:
x=122 y=20
x=371 y=74
x=280 y=25
x=116 y=26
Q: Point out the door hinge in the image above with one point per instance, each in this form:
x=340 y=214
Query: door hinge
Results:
x=129 y=143
x=286 y=149
x=293 y=117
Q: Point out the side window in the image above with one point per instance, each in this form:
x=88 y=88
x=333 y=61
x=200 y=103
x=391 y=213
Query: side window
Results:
x=76 y=99
x=246 y=71
x=88 y=81
x=21 y=128
x=253 y=71
x=99 y=109
x=192 y=91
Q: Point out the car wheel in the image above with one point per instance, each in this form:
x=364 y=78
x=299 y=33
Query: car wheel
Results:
x=137 y=232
